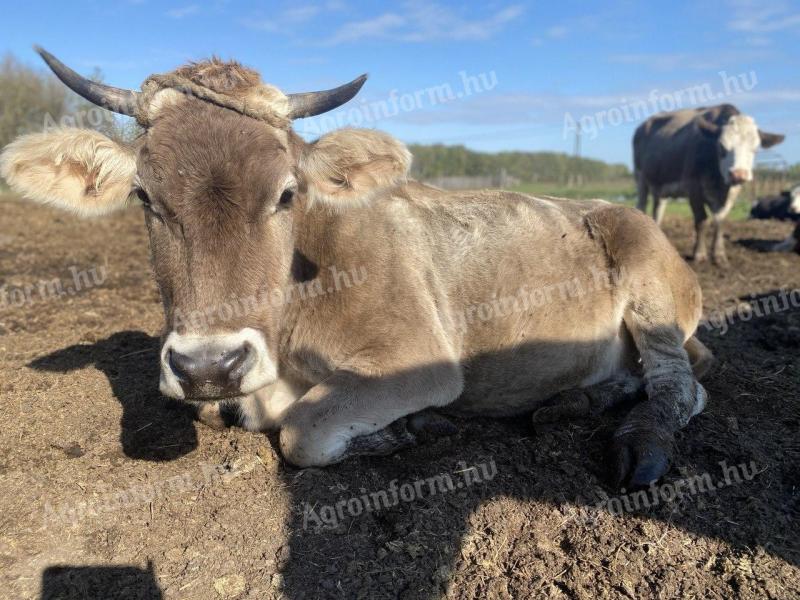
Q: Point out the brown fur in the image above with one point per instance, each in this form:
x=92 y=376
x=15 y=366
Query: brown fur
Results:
x=364 y=356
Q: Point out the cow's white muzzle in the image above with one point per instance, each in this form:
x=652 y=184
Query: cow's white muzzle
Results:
x=215 y=366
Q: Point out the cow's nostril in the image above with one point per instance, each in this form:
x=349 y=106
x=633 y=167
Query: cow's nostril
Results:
x=232 y=362
x=182 y=365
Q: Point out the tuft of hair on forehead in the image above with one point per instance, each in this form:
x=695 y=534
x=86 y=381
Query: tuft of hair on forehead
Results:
x=220 y=76
x=228 y=84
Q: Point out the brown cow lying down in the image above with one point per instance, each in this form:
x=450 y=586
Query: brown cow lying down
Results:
x=488 y=303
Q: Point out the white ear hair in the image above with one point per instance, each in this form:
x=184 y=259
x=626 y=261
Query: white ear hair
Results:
x=78 y=170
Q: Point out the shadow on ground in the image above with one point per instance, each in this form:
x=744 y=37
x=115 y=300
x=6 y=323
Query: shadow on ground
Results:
x=152 y=427
x=410 y=548
x=67 y=582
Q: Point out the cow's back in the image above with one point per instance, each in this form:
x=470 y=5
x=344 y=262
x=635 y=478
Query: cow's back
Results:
x=667 y=148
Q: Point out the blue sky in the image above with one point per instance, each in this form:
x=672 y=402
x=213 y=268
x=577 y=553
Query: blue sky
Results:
x=534 y=70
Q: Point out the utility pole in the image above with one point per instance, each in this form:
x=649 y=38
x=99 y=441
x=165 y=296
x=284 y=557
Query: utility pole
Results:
x=577 y=151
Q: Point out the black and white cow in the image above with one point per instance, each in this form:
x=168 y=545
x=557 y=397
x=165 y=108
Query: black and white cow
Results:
x=784 y=207
x=705 y=154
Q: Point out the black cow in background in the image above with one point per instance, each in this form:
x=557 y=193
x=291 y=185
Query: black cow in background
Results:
x=705 y=154
x=784 y=207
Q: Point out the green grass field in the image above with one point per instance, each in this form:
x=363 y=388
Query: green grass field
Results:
x=624 y=191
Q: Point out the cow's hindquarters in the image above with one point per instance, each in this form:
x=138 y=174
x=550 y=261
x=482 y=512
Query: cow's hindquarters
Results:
x=662 y=314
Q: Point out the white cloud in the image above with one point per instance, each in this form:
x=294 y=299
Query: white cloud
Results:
x=288 y=19
x=762 y=17
x=660 y=62
x=557 y=31
x=709 y=61
x=419 y=22
x=184 y=11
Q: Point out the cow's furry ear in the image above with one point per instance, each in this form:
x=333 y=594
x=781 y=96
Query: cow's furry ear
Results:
x=351 y=165
x=78 y=170
x=770 y=139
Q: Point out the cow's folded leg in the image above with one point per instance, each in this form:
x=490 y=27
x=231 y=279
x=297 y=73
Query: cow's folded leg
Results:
x=352 y=414
x=418 y=428
x=388 y=440
x=590 y=401
x=643 y=444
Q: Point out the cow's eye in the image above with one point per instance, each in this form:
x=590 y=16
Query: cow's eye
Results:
x=147 y=204
x=142 y=196
x=286 y=198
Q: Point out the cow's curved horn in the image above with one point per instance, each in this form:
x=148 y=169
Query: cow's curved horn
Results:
x=118 y=100
x=309 y=104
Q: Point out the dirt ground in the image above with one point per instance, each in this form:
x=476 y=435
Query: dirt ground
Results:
x=110 y=491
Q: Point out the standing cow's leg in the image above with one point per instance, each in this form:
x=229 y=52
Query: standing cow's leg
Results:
x=659 y=207
x=641 y=186
x=698 y=204
x=719 y=215
x=352 y=414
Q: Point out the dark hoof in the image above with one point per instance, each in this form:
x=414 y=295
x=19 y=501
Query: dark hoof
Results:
x=430 y=426
x=568 y=405
x=640 y=459
x=547 y=415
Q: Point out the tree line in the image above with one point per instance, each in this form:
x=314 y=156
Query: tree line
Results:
x=550 y=167
x=32 y=99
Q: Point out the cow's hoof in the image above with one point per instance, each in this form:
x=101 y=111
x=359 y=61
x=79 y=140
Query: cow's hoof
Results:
x=699 y=258
x=428 y=426
x=721 y=262
x=547 y=415
x=640 y=458
x=567 y=405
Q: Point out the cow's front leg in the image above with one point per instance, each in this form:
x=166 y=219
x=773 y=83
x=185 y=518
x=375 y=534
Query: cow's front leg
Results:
x=720 y=214
x=590 y=401
x=352 y=414
x=718 y=255
x=403 y=433
x=659 y=208
x=697 y=203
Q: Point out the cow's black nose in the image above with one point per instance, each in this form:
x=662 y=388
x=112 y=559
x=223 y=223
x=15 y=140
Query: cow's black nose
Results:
x=206 y=374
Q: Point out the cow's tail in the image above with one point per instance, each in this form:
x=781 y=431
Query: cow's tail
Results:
x=700 y=357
